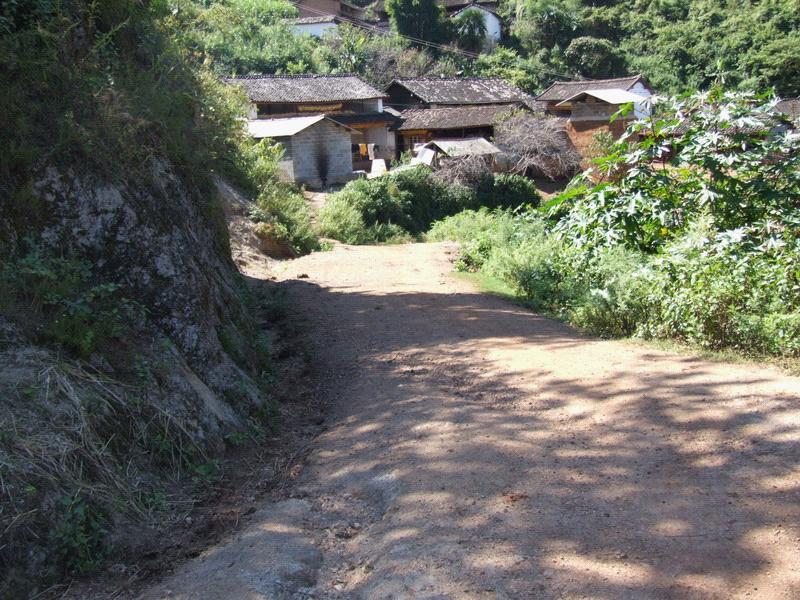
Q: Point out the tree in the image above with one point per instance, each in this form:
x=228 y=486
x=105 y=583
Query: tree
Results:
x=546 y=23
x=470 y=30
x=594 y=57
x=418 y=19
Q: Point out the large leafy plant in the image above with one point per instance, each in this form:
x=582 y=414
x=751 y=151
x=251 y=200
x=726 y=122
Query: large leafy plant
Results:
x=730 y=155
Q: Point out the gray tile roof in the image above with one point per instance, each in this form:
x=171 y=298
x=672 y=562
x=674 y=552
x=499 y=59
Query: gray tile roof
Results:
x=454 y=117
x=462 y=90
x=305 y=88
x=561 y=90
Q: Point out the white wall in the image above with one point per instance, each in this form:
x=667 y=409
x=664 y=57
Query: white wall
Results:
x=315 y=29
x=491 y=21
x=493 y=26
x=640 y=110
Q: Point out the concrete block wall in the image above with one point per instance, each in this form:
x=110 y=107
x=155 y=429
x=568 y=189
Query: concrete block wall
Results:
x=322 y=144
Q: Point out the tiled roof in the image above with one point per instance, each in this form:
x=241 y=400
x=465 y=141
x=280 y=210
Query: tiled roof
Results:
x=465 y=147
x=561 y=90
x=474 y=5
x=360 y=118
x=454 y=117
x=463 y=90
x=305 y=88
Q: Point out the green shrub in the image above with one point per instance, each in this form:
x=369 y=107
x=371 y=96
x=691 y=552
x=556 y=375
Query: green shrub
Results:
x=391 y=208
x=470 y=224
x=282 y=212
x=340 y=220
x=692 y=233
x=428 y=199
x=79 y=538
x=72 y=309
x=378 y=200
x=286 y=213
x=510 y=191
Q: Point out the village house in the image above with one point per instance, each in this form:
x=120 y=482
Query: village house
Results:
x=281 y=104
x=316 y=149
x=318 y=8
x=451 y=107
x=314 y=26
x=376 y=13
x=491 y=20
x=589 y=105
x=558 y=99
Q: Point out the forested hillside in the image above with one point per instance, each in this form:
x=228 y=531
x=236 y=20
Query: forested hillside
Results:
x=679 y=45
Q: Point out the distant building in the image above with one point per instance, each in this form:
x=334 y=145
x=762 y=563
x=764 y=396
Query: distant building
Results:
x=345 y=100
x=316 y=148
x=316 y=26
x=451 y=107
x=492 y=22
x=559 y=97
x=318 y=8
x=589 y=105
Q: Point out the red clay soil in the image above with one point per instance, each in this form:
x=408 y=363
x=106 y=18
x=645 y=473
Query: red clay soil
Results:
x=477 y=450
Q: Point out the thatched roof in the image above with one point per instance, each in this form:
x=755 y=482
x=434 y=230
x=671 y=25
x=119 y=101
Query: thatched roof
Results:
x=538 y=146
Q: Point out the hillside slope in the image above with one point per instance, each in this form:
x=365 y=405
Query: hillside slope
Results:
x=131 y=352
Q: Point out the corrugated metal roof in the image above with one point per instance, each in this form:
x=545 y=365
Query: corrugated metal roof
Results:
x=305 y=88
x=275 y=128
x=455 y=117
x=561 y=90
x=611 y=96
x=462 y=90
x=465 y=147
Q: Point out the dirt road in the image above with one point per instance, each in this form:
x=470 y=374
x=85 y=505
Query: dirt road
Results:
x=476 y=450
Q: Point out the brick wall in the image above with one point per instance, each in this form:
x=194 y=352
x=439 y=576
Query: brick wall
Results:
x=582 y=132
x=321 y=155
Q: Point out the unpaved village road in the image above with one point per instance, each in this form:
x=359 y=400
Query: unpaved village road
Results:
x=477 y=450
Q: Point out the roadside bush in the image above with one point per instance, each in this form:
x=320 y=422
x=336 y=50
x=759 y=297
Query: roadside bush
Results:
x=429 y=199
x=722 y=290
x=340 y=220
x=391 y=208
x=285 y=214
x=281 y=211
x=691 y=233
x=511 y=191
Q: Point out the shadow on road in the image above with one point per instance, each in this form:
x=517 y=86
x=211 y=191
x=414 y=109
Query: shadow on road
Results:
x=505 y=455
